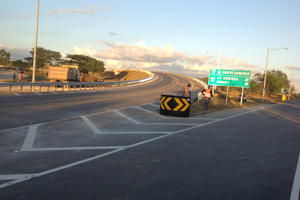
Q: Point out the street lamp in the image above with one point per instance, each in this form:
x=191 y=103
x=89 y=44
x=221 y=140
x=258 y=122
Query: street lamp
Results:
x=36 y=32
x=265 y=80
x=215 y=87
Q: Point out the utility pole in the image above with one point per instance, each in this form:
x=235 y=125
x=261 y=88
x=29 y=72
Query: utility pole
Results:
x=35 y=42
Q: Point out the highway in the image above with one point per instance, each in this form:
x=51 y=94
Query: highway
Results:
x=113 y=144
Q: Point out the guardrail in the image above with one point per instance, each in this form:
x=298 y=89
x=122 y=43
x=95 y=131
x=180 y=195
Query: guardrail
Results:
x=31 y=87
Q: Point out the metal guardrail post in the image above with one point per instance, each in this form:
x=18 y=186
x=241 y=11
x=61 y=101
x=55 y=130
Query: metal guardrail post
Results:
x=21 y=87
x=40 y=88
x=31 y=87
x=85 y=86
x=75 y=86
x=55 y=88
x=10 y=88
x=48 y=88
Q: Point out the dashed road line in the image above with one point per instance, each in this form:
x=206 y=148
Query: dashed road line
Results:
x=90 y=124
x=17 y=94
x=14 y=176
x=149 y=111
x=37 y=93
x=296 y=183
x=30 y=137
x=55 y=92
x=125 y=116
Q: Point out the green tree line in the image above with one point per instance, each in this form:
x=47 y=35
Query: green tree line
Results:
x=47 y=57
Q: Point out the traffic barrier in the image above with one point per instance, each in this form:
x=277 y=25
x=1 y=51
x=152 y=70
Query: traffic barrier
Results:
x=175 y=105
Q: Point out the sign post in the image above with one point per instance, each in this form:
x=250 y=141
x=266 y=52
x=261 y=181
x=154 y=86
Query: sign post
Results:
x=227 y=77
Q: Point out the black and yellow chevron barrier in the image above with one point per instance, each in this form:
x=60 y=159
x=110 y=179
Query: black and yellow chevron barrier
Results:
x=175 y=105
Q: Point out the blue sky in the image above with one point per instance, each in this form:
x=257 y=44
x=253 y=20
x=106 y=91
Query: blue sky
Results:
x=176 y=34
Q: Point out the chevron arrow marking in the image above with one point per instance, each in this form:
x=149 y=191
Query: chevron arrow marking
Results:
x=179 y=104
x=166 y=103
x=161 y=103
x=187 y=105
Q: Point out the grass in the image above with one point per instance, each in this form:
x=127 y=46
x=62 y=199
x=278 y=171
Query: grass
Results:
x=218 y=102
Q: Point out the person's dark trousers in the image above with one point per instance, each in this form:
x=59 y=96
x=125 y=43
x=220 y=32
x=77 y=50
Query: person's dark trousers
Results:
x=206 y=103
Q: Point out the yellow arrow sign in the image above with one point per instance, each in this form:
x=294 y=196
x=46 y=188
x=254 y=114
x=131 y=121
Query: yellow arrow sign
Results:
x=161 y=103
x=166 y=103
x=179 y=104
x=187 y=105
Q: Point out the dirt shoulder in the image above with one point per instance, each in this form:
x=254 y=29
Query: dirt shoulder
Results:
x=218 y=102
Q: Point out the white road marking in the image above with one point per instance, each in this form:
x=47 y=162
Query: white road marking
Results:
x=14 y=176
x=90 y=124
x=134 y=121
x=137 y=132
x=149 y=111
x=155 y=105
x=75 y=148
x=69 y=92
x=296 y=183
x=55 y=92
x=17 y=94
x=37 y=93
x=29 y=140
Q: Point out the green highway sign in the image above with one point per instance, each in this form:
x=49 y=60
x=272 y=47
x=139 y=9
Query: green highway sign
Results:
x=226 y=77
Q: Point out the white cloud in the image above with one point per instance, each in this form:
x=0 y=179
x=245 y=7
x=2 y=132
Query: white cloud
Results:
x=293 y=68
x=84 y=51
x=79 y=10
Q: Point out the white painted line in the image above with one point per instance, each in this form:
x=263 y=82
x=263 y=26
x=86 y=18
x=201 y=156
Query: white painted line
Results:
x=17 y=94
x=149 y=112
x=162 y=124
x=296 y=183
x=90 y=124
x=134 y=121
x=68 y=92
x=14 y=176
x=204 y=118
x=29 y=140
x=75 y=148
x=137 y=132
x=55 y=92
x=154 y=105
x=37 y=93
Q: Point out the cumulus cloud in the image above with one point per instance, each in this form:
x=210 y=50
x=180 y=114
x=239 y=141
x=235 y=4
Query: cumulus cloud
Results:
x=84 y=51
x=293 y=68
x=79 y=10
x=140 y=56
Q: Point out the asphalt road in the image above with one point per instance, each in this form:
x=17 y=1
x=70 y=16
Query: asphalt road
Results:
x=8 y=74
x=113 y=144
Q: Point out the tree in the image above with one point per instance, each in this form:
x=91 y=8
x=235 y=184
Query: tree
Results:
x=44 y=58
x=86 y=64
x=276 y=81
x=20 y=63
x=4 y=57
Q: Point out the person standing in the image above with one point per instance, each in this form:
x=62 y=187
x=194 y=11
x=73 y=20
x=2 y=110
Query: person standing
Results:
x=207 y=93
x=20 y=77
x=187 y=90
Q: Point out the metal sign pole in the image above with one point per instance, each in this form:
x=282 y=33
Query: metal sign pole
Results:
x=227 y=93
x=242 y=96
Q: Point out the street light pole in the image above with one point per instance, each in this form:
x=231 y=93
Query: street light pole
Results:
x=35 y=42
x=263 y=98
x=265 y=80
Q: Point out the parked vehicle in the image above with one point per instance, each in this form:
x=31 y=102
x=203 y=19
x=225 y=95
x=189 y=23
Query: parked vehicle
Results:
x=19 y=70
x=63 y=73
x=244 y=97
